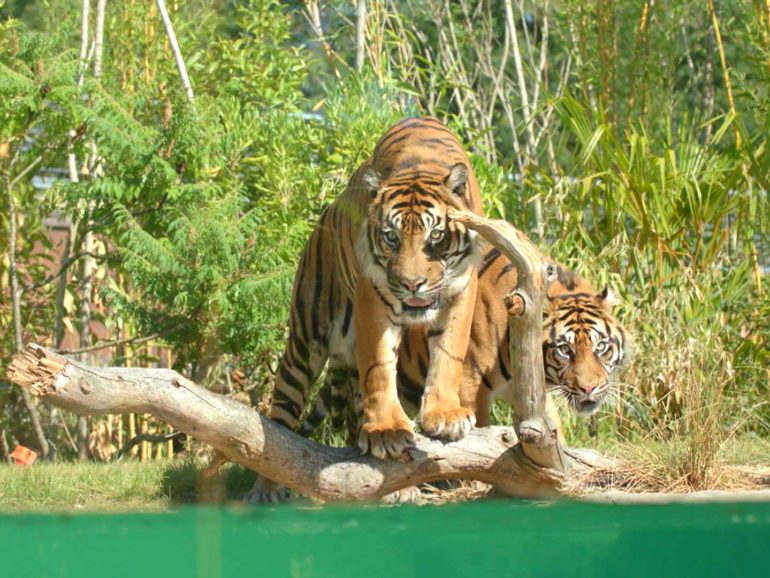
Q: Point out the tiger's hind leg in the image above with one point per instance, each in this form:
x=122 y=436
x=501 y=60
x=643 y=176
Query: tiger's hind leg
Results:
x=344 y=402
x=298 y=371
x=301 y=365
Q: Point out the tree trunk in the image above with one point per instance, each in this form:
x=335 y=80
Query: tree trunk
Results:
x=18 y=339
x=525 y=304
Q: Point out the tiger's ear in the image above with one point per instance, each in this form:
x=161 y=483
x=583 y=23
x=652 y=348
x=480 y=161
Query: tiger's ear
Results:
x=458 y=176
x=371 y=180
x=607 y=297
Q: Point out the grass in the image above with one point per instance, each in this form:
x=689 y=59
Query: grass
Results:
x=665 y=466
x=123 y=486
x=742 y=463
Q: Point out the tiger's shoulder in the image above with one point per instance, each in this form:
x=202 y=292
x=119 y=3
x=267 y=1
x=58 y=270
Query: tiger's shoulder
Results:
x=415 y=154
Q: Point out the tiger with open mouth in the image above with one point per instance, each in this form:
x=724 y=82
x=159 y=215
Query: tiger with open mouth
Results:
x=383 y=257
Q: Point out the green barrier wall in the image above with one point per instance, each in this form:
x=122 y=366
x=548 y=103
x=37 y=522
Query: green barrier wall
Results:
x=472 y=539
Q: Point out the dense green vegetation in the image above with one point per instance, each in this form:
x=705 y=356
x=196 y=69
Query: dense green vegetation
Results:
x=630 y=139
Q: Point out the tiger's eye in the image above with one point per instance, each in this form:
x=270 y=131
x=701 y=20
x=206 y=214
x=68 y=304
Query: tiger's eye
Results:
x=564 y=349
x=391 y=238
x=601 y=347
x=436 y=235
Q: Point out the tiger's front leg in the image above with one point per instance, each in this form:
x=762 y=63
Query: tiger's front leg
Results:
x=442 y=414
x=387 y=430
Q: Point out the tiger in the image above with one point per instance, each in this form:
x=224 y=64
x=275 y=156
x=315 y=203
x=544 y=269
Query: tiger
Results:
x=583 y=346
x=384 y=256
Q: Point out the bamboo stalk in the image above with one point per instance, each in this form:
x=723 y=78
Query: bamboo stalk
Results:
x=145 y=446
x=525 y=107
x=169 y=443
x=360 y=34
x=180 y=66
x=725 y=72
x=641 y=33
x=159 y=448
x=132 y=432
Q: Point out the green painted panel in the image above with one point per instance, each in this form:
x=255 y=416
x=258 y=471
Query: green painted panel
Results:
x=506 y=538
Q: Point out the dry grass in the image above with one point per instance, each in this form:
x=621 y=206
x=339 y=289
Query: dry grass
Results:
x=456 y=491
x=662 y=467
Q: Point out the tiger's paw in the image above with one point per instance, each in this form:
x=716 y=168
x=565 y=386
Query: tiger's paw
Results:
x=267 y=491
x=386 y=442
x=448 y=424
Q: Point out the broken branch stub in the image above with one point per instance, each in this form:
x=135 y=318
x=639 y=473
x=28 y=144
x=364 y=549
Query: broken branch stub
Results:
x=536 y=431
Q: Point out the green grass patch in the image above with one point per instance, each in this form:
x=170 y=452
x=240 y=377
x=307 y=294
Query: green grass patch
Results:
x=161 y=486
x=135 y=486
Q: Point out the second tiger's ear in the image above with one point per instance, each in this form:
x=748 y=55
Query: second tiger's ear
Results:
x=372 y=181
x=458 y=176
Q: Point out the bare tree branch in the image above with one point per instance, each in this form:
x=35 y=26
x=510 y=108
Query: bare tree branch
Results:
x=313 y=15
x=144 y=438
x=128 y=340
x=246 y=437
x=63 y=268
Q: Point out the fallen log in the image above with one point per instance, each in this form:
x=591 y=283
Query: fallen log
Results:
x=246 y=437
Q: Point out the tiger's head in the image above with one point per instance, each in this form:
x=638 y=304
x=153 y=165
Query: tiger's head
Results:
x=583 y=344
x=412 y=252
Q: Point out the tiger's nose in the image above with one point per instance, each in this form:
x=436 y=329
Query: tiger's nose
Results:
x=413 y=284
x=587 y=388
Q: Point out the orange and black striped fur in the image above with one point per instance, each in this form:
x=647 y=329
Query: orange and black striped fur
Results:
x=583 y=344
x=384 y=257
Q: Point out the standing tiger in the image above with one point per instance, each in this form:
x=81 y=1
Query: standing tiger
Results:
x=384 y=256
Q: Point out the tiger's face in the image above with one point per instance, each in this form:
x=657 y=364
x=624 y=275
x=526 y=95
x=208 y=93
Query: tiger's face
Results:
x=583 y=345
x=416 y=255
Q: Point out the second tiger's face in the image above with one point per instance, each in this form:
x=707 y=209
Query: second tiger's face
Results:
x=583 y=346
